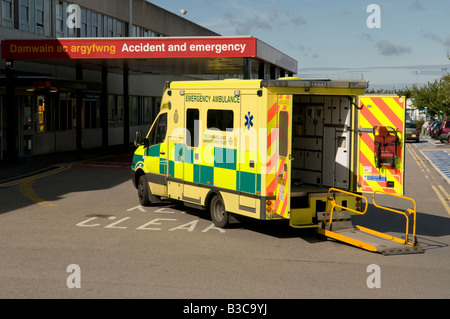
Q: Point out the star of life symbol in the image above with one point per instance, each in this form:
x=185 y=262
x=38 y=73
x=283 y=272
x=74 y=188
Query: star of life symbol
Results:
x=248 y=121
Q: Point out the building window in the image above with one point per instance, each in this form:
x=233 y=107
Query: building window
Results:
x=39 y=16
x=91 y=114
x=115 y=110
x=42 y=114
x=59 y=20
x=64 y=114
x=84 y=23
x=24 y=15
x=7 y=13
x=140 y=110
x=109 y=26
x=96 y=19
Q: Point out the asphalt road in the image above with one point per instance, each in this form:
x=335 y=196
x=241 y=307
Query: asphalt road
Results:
x=78 y=232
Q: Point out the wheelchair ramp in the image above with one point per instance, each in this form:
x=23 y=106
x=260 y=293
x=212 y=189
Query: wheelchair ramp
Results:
x=371 y=240
x=337 y=225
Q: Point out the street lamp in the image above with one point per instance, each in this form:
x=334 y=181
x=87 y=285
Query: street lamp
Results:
x=182 y=12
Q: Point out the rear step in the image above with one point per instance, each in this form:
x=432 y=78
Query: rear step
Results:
x=340 y=228
x=370 y=240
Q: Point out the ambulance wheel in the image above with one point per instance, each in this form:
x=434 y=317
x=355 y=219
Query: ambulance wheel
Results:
x=143 y=191
x=219 y=216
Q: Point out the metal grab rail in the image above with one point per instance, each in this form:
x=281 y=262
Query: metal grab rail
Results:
x=334 y=204
x=407 y=214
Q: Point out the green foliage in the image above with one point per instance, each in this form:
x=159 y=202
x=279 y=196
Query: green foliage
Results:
x=434 y=95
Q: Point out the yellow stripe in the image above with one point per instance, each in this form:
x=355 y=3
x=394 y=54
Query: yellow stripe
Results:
x=395 y=107
x=379 y=114
x=444 y=192
x=444 y=203
x=26 y=188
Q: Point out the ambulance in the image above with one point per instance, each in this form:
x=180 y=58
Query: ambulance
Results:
x=294 y=149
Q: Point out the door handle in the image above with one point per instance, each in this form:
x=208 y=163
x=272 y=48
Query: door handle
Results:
x=162 y=153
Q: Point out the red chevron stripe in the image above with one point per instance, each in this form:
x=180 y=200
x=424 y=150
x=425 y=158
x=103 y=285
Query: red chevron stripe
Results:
x=270 y=189
x=390 y=114
x=272 y=112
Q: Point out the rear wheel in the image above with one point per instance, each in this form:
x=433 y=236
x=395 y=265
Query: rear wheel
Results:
x=219 y=216
x=143 y=191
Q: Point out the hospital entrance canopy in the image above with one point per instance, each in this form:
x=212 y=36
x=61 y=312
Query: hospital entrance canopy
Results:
x=161 y=55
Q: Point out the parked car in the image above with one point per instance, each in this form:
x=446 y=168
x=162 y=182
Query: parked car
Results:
x=412 y=132
x=430 y=127
x=434 y=132
x=444 y=132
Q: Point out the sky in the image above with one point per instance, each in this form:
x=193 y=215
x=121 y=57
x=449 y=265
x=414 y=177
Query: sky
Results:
x=390 y=43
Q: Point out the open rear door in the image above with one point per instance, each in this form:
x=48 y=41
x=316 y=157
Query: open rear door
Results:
x=283 y=190
x=381 y=127
x=379 y=169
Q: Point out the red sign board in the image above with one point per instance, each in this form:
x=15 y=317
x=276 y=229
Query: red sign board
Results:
x=129 y=48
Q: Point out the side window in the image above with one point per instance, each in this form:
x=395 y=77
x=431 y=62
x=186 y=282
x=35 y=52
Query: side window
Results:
x=220 y=119
x=192 y=118
x=283 y=131
x=158 y=133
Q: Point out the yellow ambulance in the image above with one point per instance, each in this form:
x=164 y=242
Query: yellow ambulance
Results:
x=271 y=149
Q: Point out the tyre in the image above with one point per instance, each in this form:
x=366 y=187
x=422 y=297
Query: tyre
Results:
x=143 y=192
x=219 y=216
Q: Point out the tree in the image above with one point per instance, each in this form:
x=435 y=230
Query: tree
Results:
x=434 y=95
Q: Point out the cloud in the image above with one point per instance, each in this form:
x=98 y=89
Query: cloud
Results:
x=248 y=21
x=297 y=20
x=366 y=36
x=388 y=48
x=432 y=36
x=417 y=5
x=304 y=51
x=245 y=27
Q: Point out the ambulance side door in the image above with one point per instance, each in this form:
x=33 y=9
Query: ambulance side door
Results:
x=156 y=156
x=249 y=186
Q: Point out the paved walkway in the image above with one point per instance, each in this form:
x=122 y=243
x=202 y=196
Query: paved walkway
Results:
x=437 y=154
x=28 y=166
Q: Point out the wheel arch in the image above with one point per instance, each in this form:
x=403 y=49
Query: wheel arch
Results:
x=210 y=196
x=136 y=176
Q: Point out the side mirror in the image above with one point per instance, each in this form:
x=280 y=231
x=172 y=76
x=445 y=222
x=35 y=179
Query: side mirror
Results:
x=138 y=139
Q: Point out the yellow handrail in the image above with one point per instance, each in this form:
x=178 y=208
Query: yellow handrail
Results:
x=407 y=214
x=334 y=204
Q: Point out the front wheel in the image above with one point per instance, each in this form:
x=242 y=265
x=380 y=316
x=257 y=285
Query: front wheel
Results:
x=142 y=190
x=219 y=216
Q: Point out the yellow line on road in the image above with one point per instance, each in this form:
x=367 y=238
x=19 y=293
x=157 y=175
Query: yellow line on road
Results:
x=26 y=188
x=36 y=176
x=419 y=161
x=444 y=192
x=442 y=199
x=26 y=185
